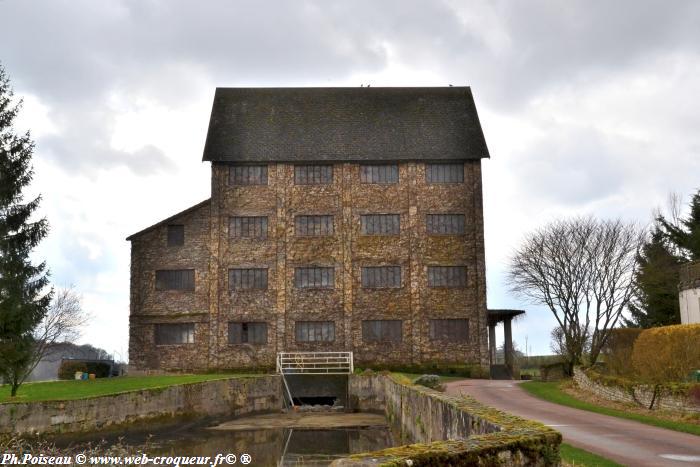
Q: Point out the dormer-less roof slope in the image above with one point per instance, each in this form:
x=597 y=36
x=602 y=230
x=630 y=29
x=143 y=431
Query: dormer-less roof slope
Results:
x=348 y=124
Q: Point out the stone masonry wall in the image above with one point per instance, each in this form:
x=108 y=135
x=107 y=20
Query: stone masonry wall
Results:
x=347 y=304
x=640 y=395
x=226 y=397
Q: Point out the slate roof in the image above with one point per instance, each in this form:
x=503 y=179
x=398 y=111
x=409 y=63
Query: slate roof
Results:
x=169 y=219
x=348 y=124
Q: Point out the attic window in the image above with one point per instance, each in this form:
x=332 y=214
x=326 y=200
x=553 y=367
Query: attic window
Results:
x=444 y=173
x=313 y=174
x=176 y=235
x=375 y=173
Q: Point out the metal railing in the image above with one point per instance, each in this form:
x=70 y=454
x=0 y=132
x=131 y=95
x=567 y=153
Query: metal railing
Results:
x=315 y=363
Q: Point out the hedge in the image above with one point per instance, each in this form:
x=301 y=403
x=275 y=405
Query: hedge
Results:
x=618 y=350
x=667 y=354
x=68 y=368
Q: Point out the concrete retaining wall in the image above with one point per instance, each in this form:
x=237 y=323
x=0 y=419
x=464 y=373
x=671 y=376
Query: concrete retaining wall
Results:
x=441 y=429
x=225 y=397
x=638 y=394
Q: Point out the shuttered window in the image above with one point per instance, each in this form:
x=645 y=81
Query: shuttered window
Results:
x=314 y=277
x=248 y=227
x=175 y=333
x=381 y=277
x=447 y=276
x=247 y=175
x=176 y=235
x=315 y=331
x=247 y=333
x=445 y=224
x=247 y=279
x=452 y=330
x=175 y=279
x=375 y=173
x=388 y=330
x=444 y=173
x=313 y=174
x=380 y=224
x=313 y=226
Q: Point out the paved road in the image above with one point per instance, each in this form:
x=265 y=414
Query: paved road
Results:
x=624 y=441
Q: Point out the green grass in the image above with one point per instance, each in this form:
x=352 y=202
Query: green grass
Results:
x=70 y=390
x=576 y=456
x=550 y=391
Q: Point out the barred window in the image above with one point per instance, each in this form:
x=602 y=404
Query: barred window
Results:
x=247 y=278
x=381 y=277
x=247 y=175
x=387 y=330
x=453 y=330
x=174 y=333
x=314 y=277
x=445 y=224
x=247 y=333
x=176 y=235
x=447 y=276
x=315 y=331
x=380 y=224
x=313 y=226
x=313 y=174
x=374 y=173
x=444 y=173
x=175 y=279
x=248 y=227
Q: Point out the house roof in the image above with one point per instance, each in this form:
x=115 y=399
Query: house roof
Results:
x=169 y=219
x=343 y=124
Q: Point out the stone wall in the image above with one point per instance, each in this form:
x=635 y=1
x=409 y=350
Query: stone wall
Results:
x=225 y=397
x=448 y=430
x=347 y=304
x=637 y=394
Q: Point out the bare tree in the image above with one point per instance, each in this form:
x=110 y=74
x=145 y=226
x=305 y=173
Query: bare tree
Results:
x=582 y=270
x=63 y=322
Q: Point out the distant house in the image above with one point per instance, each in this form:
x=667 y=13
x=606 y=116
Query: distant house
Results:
x=340 y=219
x=689 y=292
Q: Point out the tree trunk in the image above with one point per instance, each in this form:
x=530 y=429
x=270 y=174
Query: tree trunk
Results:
x=13 y=391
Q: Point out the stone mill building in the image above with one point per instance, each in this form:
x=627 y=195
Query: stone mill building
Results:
x=344 y=219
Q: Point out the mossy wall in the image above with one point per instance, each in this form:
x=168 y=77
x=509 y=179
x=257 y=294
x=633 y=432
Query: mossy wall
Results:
x=225 y=397
x=448 y=430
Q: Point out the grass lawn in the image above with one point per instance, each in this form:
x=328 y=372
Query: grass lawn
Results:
x=575 y=456
x=68 y=390
x=551 y=392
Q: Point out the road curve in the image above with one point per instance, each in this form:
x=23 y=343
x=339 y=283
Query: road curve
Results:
x=624 y=441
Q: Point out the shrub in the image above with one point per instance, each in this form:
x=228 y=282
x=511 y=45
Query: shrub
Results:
x=667 y=353
x=429 y=381
x=618 y=350
x=69 y=367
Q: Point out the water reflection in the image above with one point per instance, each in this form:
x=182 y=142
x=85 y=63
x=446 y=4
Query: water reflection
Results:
x=275 y=447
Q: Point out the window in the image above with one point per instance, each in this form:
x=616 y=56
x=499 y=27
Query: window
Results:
x=315 y=331
x=248 y=227
x=381 y=277
x=247 y=279
x=388 y=173
x=175 y=279
x=380 y=224
x=447 y=276
x=444 y=173
x=453 y=330
x=388 y=330
x=314 y=278
x=313 y=226
x=247 y=175
x=313 y=174
x=247 y=333
x=176 y=235
x=176 y=333
x=445 y=224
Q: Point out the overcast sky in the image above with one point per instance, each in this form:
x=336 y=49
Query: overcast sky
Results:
x=589 y=107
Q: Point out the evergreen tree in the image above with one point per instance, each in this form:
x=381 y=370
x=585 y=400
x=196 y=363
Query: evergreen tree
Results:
x=23 y=298
x=655 y=301
x=686 y=234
